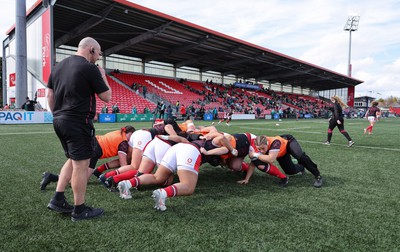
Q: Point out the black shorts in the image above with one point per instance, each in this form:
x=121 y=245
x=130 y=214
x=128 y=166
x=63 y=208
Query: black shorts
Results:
x=242 y=144
x=98 y=153
x=77 y=138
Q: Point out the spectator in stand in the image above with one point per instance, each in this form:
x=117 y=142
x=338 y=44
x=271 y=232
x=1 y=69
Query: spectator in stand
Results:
x=202 y=111
x=144 y=90
x=183 y=111
x=6 y=107
x=169 y=112
x=162 y=110
x=115 y=108
x=215 y=113
x=337 y=120
x=134 y=111
x=177 y=107
x=104 y=109
x=29 y=105
x=372 y=115
x=192 y=111
x=258 y=111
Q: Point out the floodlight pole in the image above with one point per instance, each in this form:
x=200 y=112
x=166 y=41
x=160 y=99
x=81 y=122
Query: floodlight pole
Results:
x=351 y=25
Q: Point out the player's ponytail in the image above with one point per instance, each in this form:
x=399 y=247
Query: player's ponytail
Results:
x=128 y=129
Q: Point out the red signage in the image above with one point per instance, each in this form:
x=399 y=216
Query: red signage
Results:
x=41 y=92
x=12 y=80
x=350 y=98
x=46 y=46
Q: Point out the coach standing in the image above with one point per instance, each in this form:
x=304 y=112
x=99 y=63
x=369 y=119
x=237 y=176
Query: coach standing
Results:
x=72 y=86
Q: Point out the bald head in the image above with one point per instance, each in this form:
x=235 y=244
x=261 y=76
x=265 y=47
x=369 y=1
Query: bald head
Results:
x=88 y=42
x=90 y=49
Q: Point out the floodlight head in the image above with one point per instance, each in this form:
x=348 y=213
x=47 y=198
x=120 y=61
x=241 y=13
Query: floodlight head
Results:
x=352 y=23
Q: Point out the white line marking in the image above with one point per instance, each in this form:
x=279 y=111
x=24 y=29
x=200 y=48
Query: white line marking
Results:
x=354 y=146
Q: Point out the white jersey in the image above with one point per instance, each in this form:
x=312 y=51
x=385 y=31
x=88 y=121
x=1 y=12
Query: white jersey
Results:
x=139 y=139
x=156 y=149
x=182 y=156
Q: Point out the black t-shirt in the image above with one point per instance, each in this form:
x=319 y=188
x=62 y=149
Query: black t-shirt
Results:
x=75 y=81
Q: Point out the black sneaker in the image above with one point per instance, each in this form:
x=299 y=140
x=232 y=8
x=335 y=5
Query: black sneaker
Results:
x=45 y=180
x=110 y=182
x=318 y=182
x=61 y=206
x=284 y=182
x=96 y=173
x=113 y=187
x=88 y=213
x=103 y=180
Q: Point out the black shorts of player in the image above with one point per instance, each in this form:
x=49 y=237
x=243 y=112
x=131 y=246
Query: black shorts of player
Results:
x=242 y=144
x=77 y=138
x=98 y=153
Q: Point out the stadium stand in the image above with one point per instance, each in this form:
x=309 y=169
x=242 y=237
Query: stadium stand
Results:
x=126 y=99
x=209 y=96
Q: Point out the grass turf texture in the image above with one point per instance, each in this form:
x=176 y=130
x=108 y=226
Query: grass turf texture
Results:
x=357 y=209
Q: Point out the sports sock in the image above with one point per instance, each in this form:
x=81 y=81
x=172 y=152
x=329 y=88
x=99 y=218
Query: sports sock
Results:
x=171 y=191
x=346 y=135
x=245 y=167
x=59 y=196
x=274 y=171
x=124 y=176
x=79 y=208
x=135 y=182
x=329 y=135
x=102 y=167
x=112 y=173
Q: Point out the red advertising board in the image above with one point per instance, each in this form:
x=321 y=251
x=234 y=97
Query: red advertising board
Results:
x=12 y=80
x=46 y=46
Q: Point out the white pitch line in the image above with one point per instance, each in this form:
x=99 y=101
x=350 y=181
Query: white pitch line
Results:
x=354 y=146
x=27 y=133
x=43 y=132
x=290 y=129
x=314 y=142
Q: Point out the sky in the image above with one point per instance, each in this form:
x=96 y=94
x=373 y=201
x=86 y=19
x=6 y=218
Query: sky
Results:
x=309 y=30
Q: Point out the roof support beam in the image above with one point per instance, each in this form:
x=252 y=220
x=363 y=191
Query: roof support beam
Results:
x=211 y=55
x=79 y=30
x=229 y=63
x=233 y=62
x=142 y=37
x=177 y=49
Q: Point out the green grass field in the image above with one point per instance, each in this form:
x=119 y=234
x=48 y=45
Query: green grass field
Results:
x=357 y=209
